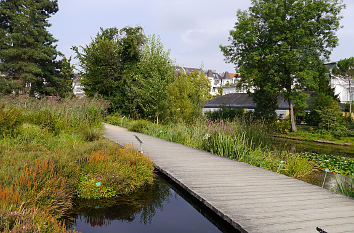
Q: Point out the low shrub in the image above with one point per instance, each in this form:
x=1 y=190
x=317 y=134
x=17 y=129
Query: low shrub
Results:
x=91 y=134
x=10 y=119
x=297 y=166
x=139 y=126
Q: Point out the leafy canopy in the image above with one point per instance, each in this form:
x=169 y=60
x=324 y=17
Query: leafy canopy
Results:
x=278 y=44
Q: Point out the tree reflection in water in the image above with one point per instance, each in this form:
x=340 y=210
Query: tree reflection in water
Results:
x=145 y=203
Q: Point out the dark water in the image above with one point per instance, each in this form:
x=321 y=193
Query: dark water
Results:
x=157 y=209
x=320 y=148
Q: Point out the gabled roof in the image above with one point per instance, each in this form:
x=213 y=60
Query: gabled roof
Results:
x=243 y=100
x=210 y=73
x=240 y=100
x=186 y=70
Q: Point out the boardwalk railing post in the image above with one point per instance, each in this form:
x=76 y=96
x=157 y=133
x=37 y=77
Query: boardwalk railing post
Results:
x=324 y=179
x=281 y=163
x=121 y=122
x=141 y=143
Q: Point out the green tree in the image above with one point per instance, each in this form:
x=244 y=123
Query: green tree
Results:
x=187 y=95
x=155 y=72
x=27 y=52
x=66 y=75
x=110 y=65
x=345 y=70
x=275 y=44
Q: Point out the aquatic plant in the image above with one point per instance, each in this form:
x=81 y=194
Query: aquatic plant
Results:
x=345 y=187
x=341 y=165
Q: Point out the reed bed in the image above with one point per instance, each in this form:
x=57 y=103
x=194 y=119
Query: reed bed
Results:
x=51 y=152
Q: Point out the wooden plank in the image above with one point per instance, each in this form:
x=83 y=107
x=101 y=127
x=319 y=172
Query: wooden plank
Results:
x=251 y=199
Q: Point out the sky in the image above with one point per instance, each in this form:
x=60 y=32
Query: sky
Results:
x=191 y=29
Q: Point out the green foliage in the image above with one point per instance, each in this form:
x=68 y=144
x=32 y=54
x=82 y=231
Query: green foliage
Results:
x=42 y=170
x=155 y=73
x=187 y=95
x=88 y=189
x=341 y=165
x=109 y=65
x=325 y=112
x=10 y=119
x=27 y=52
x=298 y=166
x=138 y=125
x=277 y=46
x=345 y=187
x=91 y=134
x=300 y=106
x=225 y=113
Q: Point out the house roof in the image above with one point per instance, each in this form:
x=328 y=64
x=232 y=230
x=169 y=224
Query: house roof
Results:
x=186 y=70
x=240 y=100
x=243 y=100
x=210 y=73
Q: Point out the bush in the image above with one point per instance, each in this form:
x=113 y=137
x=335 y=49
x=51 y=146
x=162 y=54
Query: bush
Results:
x=139 y=126
x=10 y=118
x=91 y=134
x=225 y=113
x=325 y=113
x=297 y=166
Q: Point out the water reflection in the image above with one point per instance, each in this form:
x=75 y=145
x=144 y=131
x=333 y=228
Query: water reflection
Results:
x=144 y=204
x=158 y=208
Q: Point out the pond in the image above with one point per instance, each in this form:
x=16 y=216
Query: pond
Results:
x=157 y=209
x=319 y=148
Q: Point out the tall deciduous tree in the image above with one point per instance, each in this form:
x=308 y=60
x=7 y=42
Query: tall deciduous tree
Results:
x=345 y=70
x=156 y=72
x=110 y=64
x=278 y=44
x=186 y=96
x=27 y=52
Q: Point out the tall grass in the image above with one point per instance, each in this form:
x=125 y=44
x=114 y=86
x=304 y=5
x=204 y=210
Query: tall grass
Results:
x=346 y=187
x=240 y=139
x=53 y=152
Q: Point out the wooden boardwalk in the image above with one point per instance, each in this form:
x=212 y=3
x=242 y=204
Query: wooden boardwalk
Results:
x=251 y=199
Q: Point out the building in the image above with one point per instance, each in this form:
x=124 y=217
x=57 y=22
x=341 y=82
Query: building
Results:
x=227 y=82
x=78 y=88
x=243 y=101
x=341 y=86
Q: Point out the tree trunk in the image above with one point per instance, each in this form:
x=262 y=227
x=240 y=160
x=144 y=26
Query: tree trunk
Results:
x=292 y=117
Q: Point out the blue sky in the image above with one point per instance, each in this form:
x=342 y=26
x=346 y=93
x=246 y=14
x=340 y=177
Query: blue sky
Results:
x=191 y=29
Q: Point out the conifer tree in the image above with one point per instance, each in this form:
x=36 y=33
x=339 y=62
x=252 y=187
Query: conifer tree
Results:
x=27 y=51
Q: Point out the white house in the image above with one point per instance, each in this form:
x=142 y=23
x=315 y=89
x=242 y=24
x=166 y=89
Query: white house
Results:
x=78 y=88
x=227 y=81
x=341 y=86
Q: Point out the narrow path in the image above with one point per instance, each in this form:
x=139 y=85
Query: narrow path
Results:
x=252 y=199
